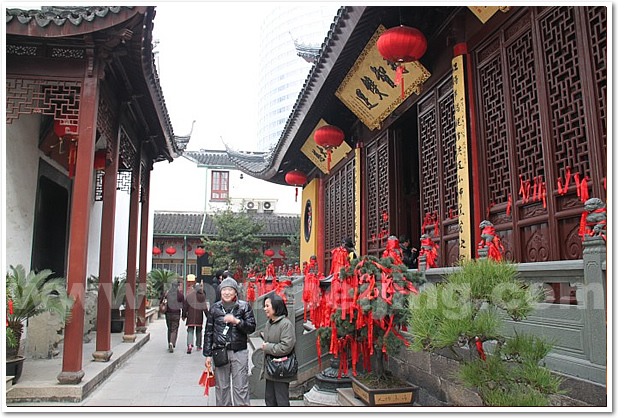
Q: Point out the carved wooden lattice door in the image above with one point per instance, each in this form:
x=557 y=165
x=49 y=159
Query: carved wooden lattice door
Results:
x=541 y=89
x=436 y=125
x=339 y=213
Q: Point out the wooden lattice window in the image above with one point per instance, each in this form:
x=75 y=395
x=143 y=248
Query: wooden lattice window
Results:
x=56 y=98
x=220 y=190
x=339 y=197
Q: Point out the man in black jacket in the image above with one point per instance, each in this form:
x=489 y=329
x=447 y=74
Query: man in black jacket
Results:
x=230 y=321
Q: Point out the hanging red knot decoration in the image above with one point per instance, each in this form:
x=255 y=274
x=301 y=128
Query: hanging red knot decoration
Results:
x=296 y=178
x=329 y=137
x=269 y=253
x=199 y=251
x=400 y=45
x=170 y=250
x=65 y=130
x=156 y=250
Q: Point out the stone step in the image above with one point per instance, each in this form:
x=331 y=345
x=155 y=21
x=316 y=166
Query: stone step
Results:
x=345 y=397
x=9 y=382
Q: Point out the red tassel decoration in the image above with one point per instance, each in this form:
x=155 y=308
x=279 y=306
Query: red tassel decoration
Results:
x=399 y=79
x=328 y=158
x=584 y=191
x=508 y=205
x=577 y=184
x=72 y=159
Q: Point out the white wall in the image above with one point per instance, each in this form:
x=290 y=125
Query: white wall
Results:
x=22 y=168
x=177 y=186
x=185 y=187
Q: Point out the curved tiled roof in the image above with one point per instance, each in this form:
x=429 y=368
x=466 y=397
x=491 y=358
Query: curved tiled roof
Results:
x=194 y=223
x=210 y=158
x=60 y=15
x=68 y=22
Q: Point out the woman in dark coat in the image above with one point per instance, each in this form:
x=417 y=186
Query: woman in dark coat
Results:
x=279 y=341
x=193 y=312
x=175 y=299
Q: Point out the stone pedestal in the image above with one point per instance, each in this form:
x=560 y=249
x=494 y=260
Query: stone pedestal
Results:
x=102 y=356
x=70 y=378
x=129 y=338
x=324 y=392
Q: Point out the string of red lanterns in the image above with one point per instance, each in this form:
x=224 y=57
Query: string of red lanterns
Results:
x=170 y=250
x=399 y=45
x=156 y=250
x=269 y=252
x=329 y=137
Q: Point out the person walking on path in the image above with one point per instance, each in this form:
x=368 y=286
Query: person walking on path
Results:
x=193 y=312
x=228 y=324
x=279 y=341
x=175 y=299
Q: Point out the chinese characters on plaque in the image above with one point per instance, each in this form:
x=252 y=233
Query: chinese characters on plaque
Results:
x=318 y=155
x=484 y=13
x=369 y=89
x=461 y=146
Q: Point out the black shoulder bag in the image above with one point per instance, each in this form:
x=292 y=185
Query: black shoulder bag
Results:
x=286 y=366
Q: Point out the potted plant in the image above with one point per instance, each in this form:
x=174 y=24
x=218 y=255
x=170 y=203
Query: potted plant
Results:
x=28 y=296
x=468 y=311
x=366 y=325
x=119 y=289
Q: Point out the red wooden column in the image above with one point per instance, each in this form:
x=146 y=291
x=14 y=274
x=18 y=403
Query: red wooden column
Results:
x=320 y=227
x=129 y=313
x=106 y=260
x=72 y=372
x=143 y=253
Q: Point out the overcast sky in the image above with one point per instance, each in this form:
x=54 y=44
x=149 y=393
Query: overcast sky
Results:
x=207 y=62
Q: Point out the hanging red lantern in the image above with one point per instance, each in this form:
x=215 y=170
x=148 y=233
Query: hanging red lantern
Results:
x=282 y=253
x=156 y=250
x=296 y=178
x=399 y=45
x=199 y=251
x=329 y=137
x=170 y=250
x=269 y=253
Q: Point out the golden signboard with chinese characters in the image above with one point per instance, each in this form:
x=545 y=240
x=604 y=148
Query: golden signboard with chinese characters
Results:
x=318 y=154
x=484 y=13
x=369 y=89
x=464 y=210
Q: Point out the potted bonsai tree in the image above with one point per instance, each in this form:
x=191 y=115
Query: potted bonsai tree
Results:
x=466 y=314
x=370 y=297
x=28 y=296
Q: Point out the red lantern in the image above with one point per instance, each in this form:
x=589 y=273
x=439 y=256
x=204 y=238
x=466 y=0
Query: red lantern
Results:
x=269 y=253
x=282 y=253
x=296 y=178
x=199 y=251
x=402 y=44
x=329 y=137
x=170 y=250
x=156 y=250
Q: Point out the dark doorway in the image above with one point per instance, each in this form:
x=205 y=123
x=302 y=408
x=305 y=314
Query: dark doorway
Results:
x=50 y=226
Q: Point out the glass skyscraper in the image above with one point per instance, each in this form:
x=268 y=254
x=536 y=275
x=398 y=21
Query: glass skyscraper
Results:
x=289 y=35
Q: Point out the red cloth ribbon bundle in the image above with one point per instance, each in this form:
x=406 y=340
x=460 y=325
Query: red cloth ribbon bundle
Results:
x=207 y=380
x=479 y=348
x=495 y=247
x=250 y=292
x=393 y=250
x=430 y=250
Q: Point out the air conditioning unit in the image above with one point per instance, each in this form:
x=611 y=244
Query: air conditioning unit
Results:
x=251 y=205
x=268 y=206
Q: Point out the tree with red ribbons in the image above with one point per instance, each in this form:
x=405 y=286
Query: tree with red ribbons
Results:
x=365 y=313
